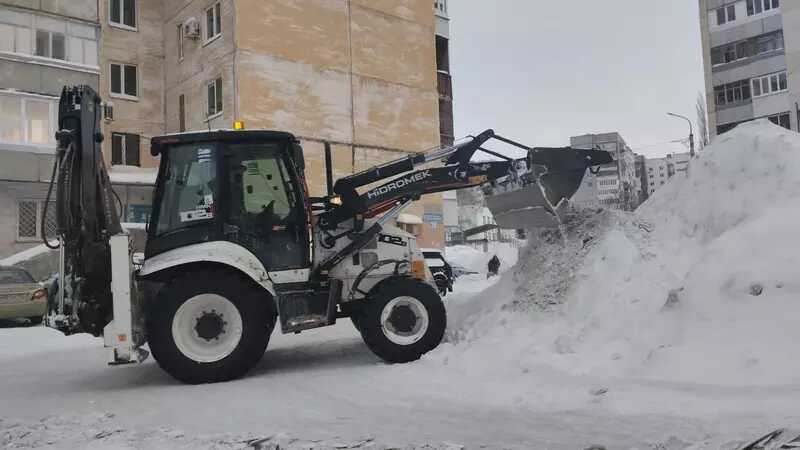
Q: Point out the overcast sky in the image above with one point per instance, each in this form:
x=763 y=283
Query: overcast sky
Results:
x=542 y=71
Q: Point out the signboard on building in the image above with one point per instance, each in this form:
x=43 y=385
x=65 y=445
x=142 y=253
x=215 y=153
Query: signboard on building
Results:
x=433 y=218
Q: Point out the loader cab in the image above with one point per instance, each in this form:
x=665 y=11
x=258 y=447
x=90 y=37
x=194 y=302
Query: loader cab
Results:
x=245 y=187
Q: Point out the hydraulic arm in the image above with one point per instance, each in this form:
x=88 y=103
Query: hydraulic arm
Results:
x=559 y=171
x=457 y=172
x=86 y=216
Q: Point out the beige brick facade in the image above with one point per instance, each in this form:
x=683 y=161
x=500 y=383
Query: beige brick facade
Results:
x=359 y=73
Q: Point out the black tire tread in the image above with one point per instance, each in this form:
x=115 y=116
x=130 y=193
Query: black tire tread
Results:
x=370 y=328
x=255 y=308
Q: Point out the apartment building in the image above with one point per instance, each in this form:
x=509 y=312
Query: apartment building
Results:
x=748 y=45
x=43 y=46
x=660 y=170
x=371 y=78
x=131 y=84
x=615 y=185
x=450 y=215
x=641 y=174
x=444 y=82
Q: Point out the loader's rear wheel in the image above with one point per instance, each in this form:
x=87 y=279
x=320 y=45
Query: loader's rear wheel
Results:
x=403 y=320
x=207 y=327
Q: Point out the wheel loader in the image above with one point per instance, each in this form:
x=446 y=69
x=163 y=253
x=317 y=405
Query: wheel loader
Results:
x=236 y=245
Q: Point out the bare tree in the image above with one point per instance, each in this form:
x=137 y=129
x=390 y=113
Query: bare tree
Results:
x=702 y=120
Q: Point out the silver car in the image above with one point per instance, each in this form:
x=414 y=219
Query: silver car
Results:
x=21 y=296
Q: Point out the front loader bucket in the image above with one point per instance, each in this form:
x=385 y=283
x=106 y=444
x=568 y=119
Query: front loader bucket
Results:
x=539 y=196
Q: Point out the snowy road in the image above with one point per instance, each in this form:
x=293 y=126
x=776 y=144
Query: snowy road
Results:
x=325 y=389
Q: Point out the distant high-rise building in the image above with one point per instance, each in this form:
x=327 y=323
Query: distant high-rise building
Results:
x=660 y=170
x=614 y=185
x=748 y=45
x=641 y=174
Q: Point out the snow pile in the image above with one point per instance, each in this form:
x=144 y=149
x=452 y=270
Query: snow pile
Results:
x=700 y=285
x=27 y=341
x=477 y=260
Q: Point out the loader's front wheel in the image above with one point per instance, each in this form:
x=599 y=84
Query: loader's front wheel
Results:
x=206 y=327
x=403 y=320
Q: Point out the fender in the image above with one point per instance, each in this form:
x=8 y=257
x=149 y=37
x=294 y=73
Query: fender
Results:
x=222 y=252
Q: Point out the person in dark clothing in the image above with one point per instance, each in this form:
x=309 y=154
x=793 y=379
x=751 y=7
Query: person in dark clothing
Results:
x=494 y=266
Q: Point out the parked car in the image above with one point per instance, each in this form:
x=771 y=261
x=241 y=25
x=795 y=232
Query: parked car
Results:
x=21 y=296
x=440 y=269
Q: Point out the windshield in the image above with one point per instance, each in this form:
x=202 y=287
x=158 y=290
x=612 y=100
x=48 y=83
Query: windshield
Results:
x=259 y=176
x=188 y=187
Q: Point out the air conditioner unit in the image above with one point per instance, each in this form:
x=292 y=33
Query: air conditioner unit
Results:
x=107 y=109
x=191 y=28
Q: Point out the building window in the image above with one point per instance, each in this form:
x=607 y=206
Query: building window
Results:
x=442 y=54
x=213 y=23
x=440 y=6
x=124 y=149
x=122 y=13
x=731 y=93
x=29 y=216
x=758 y=6
x=180 y=42
x=770 y=84
x=409 y=228
x=182 y=113
x=27 y=120
x=782 y=119
x=51 y=45
x=73 y=42
x=214 y=97
x=747 y=48
x=769 y=43
x=124 y=80
x=138 y=213
x=726 y=14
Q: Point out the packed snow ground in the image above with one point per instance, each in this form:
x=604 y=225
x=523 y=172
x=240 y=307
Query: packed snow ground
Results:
x=672 y=328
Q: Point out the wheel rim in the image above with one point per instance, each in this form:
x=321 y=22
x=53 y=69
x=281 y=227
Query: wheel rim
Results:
x=207 y=328
x=404 y=320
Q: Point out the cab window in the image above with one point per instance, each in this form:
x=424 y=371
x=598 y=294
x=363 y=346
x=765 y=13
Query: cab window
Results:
x=188 y=188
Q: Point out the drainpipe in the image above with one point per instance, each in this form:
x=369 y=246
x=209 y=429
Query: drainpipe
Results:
x=235 y=65
x=352 y=86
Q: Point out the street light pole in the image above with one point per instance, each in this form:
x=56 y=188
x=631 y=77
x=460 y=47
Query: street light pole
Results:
x=691 y=131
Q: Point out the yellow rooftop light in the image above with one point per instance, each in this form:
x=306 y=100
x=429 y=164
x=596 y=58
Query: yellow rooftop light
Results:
x=238 y=125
